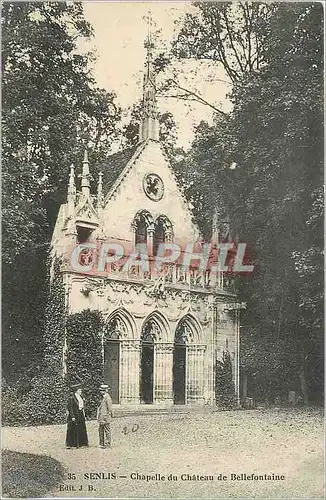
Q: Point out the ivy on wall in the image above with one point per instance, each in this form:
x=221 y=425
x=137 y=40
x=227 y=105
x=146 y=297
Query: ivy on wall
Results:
x=84 y=355
x=48 y=395
x=45 y=402
x=55 y=319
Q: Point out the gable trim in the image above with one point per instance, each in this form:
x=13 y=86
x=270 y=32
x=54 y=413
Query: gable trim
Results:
x=130 y=164
x=124 y=172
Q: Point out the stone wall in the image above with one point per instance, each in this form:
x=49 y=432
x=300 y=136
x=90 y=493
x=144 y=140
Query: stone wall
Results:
x=134 y=305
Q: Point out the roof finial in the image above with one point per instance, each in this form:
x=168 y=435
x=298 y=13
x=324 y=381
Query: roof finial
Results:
x=71 y=186
x=149 y=44
x=85 y=176
x=214 y=239
x=149 y=126
x=100 y=198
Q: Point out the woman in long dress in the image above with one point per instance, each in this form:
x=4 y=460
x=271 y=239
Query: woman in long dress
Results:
x=76 y=426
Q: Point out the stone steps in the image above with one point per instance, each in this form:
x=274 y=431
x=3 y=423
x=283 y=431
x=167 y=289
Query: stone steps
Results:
x=157 y=410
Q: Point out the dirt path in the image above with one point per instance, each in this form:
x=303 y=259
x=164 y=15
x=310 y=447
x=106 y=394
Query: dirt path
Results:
x=184 y=446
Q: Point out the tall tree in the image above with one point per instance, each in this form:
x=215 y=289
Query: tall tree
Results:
x=52 y=109
x=273 y=139
x=227 y=35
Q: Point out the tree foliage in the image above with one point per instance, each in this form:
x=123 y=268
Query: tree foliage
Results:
x=24 y=295
x=227 y=35
x=40 y=395
x=230 y=33
x=51 y=110
x=274 y=141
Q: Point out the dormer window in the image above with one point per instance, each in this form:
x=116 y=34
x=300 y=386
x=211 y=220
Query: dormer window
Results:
x=83 y=234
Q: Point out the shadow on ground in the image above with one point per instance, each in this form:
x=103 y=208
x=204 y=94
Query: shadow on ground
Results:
x=29 y=476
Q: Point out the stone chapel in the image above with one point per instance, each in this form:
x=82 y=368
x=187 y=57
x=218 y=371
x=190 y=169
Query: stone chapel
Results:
x=163 y=334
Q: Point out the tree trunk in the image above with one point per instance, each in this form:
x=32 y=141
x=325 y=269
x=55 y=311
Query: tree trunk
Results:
x=303 y=384
x=244 y=386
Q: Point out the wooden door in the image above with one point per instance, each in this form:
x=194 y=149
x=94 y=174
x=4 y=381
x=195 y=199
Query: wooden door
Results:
x=111 y=368
x=179 y=374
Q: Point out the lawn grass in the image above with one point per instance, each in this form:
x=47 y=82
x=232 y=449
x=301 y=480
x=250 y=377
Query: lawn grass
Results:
x=29 y=476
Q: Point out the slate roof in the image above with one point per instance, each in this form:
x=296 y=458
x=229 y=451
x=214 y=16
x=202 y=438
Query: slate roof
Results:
x=113 y=167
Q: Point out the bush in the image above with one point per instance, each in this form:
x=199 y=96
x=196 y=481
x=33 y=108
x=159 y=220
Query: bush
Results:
x=224 y=386
x=14 y=409
x=45 y=403
x=84 y=355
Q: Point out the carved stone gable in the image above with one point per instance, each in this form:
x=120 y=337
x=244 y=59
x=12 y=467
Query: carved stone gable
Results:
x=86 y=213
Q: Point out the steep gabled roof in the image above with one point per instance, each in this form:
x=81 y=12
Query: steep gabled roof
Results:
x=113 y=166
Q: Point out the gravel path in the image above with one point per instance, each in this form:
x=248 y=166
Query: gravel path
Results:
x=288 y=443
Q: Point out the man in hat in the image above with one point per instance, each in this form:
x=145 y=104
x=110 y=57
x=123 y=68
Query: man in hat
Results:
x=104 y=415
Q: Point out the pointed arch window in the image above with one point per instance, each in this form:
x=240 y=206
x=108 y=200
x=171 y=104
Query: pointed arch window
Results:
x=162 y=232
x=140 y=230
x=142 y=222
x=150 y=233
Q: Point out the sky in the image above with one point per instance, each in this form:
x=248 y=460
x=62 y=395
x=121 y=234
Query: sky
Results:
x=120 y=29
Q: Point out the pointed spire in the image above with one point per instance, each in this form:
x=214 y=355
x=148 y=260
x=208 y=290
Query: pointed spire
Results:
x=149 y=126
x=85 y=176
x=100 y=198
x=71 y=202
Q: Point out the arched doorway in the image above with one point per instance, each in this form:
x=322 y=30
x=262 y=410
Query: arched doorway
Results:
x=147 y=363
x=188 y=361
x=117 y=367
